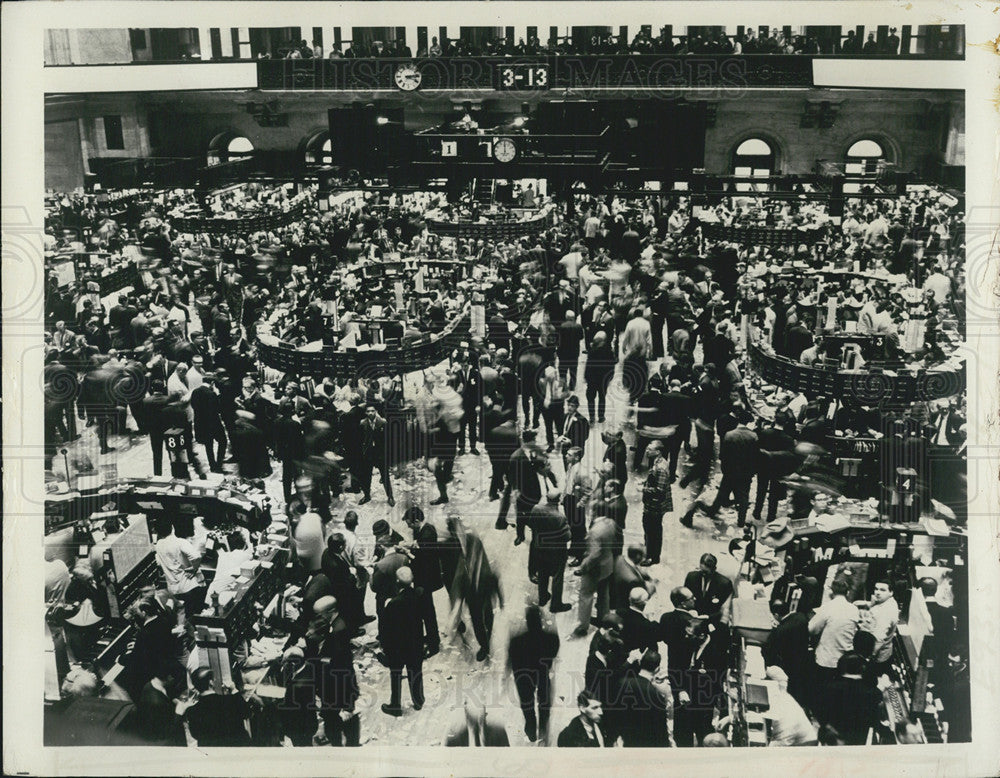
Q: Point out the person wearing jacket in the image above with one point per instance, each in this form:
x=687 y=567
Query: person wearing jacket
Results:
x=426 y=569
x=550 y=537
x=596 y=571
x=374 y=455
x=586 y=730
x=402 y=643
x=208 y=427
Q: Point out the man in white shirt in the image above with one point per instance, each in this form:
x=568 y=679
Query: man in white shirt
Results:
x=180 y=561
x=939 y=284
x=835 y=622
x=880 y=617
x=177 y=384
x=790 y=726
x=196 y=375
x=638 y=336
x=572 y=261
x=877 y=232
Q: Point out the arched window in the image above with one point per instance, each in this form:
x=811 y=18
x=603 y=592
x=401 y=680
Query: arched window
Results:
x=228 y=147
x=238 y=148
x=319 y=149
x=863 y=157
x=754 y=158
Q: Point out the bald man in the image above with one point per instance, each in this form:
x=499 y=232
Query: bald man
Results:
x=637 y=630
x=403 y=643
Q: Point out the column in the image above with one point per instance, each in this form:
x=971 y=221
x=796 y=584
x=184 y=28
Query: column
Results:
x=227 y=41
x=244 y=43
x=205 y=43
x=74 y=48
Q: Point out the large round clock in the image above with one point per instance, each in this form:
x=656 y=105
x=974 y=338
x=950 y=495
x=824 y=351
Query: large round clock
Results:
x=504 y=150
x=407 y=77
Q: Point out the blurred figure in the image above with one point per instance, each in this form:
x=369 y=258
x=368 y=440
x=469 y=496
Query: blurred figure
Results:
x=476 y=587
x=472 y=729
x=531 y=655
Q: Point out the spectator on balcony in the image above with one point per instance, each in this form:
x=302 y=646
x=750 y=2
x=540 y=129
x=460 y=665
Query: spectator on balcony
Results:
x=335 y=52
x=435 y=50
x=871 y=46
x=402 y=50
x=892 y=43
x=851 y=44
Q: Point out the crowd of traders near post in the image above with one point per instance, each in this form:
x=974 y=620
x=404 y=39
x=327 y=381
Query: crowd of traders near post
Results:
x=607 y=387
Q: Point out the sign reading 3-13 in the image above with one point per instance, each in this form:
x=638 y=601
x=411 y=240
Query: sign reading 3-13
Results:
x=522 y=75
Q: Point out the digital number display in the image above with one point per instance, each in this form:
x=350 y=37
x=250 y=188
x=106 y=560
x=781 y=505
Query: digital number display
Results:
x=522 y=76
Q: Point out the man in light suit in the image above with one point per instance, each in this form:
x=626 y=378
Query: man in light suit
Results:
x=596 y=571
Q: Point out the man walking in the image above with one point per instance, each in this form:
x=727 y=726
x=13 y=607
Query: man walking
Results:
x=531 y=654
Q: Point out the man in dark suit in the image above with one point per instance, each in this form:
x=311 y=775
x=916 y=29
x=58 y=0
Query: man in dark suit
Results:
x=339 y=689
x=471 y=389
x=526 y=464
x=787 y=647
x=776 y=461
x=289 y=445
x=531 y=654
x=250 y=446
x=222 y=326
x=155 y=419
x=617 y=454
x=850 y=704
x=628 y=575
x=637 y=630
x=711 y=589
x=374 y=455
x=208 y=427
x=586 y=730
x=676 y=411
x=568 y=349
x=335 y=567
x=642 y=720
x=426 y=570
x=403 y=641
x=500 y=440
x=550 y=537
x=317 y=587
x=576 y=428
x=738 y=456
x=943 y=622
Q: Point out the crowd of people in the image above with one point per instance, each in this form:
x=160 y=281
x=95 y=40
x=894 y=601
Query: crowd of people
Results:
x=617 y=302
x=709 y=41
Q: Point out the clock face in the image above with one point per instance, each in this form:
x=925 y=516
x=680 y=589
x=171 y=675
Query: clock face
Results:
x=504 y=150
x=408 y=77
